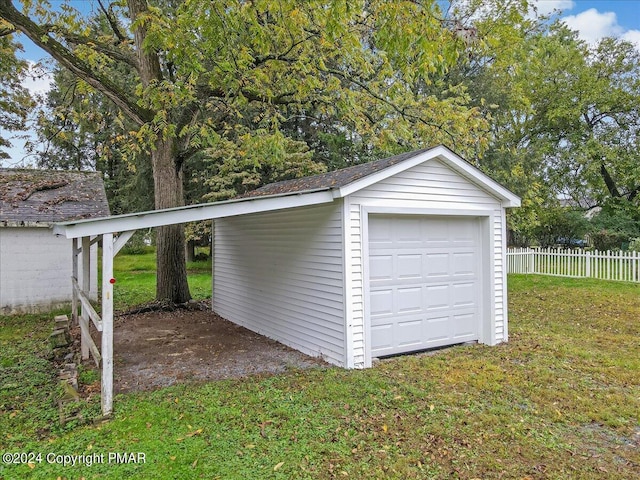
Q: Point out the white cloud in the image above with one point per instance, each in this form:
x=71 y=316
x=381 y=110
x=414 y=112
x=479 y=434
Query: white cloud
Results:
x=593 y=25
x=632 y=36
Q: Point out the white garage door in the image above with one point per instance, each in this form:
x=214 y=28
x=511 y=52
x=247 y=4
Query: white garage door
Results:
x=424 y=278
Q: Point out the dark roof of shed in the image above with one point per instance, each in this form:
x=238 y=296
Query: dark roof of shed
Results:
x=335 y=179
x=30 y=196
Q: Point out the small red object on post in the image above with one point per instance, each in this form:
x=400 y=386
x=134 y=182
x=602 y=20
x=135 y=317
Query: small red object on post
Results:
x=112 y=281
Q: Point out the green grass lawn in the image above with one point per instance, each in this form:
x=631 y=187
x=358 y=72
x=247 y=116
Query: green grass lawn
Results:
x=560 y=400
x=136 y=280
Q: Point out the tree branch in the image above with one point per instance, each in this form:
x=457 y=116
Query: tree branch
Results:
x=633 y=194
x=608 y=181
x=98 y=46
x=78 y=67
x=395 y=107
x=113 y=22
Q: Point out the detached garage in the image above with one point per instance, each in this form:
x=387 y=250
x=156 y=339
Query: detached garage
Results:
x=393 y=256
x=407 y=254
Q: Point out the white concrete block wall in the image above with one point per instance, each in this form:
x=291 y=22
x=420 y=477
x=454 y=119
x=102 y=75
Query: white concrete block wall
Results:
x=35 y=270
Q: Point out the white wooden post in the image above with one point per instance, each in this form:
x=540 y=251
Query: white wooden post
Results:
x=107 y=324
x=532 y=261
x=85 y=286
x=74 y=276
x=587 y=272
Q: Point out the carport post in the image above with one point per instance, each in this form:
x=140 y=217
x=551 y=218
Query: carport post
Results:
x=107 y=324
x=74 y=276
x=85 y=286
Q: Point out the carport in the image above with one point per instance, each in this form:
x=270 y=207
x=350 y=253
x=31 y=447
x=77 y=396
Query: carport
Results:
x=86 y=233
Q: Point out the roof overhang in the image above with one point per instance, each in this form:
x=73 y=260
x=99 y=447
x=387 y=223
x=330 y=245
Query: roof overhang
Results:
x=454 y=161
x=192 y=213
x=244 y=206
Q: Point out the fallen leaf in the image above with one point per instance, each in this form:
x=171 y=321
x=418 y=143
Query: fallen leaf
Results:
x=385 y=428
x=31 y=465
x=277 y=467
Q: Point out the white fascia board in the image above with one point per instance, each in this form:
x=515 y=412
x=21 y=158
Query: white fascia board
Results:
x=191 y=213
x=442 y=153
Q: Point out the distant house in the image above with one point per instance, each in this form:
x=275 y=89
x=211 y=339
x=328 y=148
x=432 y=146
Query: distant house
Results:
x=35 y=266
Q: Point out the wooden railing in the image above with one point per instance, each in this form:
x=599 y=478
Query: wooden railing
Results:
x=87 y=313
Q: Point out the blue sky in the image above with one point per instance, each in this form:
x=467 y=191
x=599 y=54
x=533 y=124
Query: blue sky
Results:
x=592 y=19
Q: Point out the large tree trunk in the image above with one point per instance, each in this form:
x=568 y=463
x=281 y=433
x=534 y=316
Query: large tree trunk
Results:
x=171 y=284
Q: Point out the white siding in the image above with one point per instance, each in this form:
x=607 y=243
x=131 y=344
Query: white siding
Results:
x=431 y=185
x=281 y=274
x=35 y=270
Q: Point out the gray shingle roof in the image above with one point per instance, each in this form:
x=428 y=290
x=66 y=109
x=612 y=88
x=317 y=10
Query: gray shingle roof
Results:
x=335 y=179
x=46 y=196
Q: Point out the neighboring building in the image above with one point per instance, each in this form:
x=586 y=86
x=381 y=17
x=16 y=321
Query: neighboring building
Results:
x=35 y=265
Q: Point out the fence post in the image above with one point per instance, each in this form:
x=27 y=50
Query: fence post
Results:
x=532 y=262
x=587 y=267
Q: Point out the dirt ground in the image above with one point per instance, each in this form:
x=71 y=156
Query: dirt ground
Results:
x=157 y=349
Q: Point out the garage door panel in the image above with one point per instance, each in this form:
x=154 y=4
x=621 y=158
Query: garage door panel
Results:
x=423 y=282
x=436 y=329
x=464 y=295
x=464 y=326
x=409 y=299
x=437 y=297
x=407 y=231
x=381 y=303
x=381 y=267
x=436 y=265
x=409 y=265
x=463 y=263
x=408 y=332
x=382 y=336
x=380 y=233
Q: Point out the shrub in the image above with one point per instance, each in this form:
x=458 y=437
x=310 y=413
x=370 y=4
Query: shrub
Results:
x=634 y=244
x=560 y=225
x=604 y=240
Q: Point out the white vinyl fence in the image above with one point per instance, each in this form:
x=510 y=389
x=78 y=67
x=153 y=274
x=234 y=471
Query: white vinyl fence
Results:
x=619 y=265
